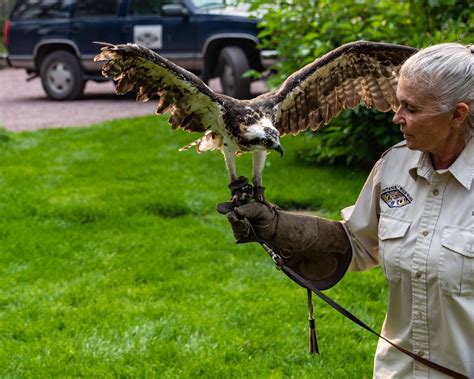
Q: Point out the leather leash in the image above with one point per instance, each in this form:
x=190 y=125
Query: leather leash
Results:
x=310 y=287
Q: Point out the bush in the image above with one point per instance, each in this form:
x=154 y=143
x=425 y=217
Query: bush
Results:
x=302 y=30
x=5 y=9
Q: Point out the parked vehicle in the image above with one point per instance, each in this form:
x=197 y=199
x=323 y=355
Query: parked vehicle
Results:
x=53 y=39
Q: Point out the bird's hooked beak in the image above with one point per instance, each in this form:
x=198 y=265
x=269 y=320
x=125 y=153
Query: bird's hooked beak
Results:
x=277 y=147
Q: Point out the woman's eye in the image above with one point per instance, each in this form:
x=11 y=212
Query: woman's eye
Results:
x=410 y=108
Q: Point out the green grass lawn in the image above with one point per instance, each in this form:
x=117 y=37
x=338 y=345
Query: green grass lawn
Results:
x=114 y=262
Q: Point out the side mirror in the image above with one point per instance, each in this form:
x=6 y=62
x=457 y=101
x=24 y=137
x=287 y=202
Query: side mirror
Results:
x=174 y=10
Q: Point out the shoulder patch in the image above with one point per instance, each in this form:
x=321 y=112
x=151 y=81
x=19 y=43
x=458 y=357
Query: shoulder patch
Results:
x=395 y=196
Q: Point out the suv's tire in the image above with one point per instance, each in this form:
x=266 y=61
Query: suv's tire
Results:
x=232 y=64
x=61 y=76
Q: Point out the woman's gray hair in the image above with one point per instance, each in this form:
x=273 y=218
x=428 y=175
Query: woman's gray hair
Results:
x=447 y=72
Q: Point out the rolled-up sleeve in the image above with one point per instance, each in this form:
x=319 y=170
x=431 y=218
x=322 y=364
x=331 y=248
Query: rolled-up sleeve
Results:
x=361 y=220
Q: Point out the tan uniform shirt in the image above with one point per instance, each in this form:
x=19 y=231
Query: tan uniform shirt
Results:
x=418 y=224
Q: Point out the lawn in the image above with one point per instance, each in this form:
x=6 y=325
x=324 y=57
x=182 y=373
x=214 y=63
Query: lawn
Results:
x=114 y=262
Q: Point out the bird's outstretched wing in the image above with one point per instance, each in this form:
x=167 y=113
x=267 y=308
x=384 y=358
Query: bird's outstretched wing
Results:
x=355 y=72
x=193 y=105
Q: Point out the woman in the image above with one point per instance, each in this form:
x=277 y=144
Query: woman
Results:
x=414 y=216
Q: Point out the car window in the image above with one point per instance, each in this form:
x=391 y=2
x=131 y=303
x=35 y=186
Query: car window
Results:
x=28 y=9
x=96 y=8
x=213 y=3
x=144 y=7
x=148 y=7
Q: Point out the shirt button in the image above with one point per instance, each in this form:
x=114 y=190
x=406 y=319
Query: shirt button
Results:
x=419 y=315
x=421 y=353
x=435 y=192
x=418 y=274
x=425 y=233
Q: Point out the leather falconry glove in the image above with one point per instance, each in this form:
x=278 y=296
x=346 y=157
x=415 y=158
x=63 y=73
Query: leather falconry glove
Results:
x=316 y=248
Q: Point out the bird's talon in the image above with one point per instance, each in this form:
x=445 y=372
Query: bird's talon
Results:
x=241 y=191
x=238 y=184
x=245 y=199
x=240 y=199
x=259 y=194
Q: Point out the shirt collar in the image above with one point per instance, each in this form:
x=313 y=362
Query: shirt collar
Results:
x=462 y=168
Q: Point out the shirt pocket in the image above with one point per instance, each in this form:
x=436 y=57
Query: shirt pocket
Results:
x=456 y=262
x=391 y=233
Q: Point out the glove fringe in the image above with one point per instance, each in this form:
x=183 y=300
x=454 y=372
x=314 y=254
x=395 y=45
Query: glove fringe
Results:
x=313 y=338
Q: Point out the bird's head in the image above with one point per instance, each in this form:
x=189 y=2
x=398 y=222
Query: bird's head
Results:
x=260 y=135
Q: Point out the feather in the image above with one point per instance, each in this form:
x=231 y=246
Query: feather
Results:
x=209 y=142
x=135 y=68
x=342 y=79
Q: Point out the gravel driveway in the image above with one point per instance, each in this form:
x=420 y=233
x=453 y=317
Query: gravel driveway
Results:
x=24 y=106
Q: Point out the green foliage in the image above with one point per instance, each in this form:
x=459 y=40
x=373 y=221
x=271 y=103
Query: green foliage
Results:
x=5 y=9
x=114 y=263
x=341 y=142
x=3 y=48
x=302 y=30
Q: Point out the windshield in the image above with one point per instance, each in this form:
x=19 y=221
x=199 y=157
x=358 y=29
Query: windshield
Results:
x=213 y=3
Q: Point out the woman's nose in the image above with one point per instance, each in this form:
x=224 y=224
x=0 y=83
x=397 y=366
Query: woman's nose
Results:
x=397 y=116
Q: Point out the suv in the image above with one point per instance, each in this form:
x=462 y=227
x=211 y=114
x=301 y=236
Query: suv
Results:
x=53 y=39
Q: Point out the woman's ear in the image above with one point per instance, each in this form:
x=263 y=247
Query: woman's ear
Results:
x=461 y=111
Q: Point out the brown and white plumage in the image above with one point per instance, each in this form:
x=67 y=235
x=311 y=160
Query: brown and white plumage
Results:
x=342 y=79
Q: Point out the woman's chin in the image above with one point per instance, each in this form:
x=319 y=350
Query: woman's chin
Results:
x=411 y=143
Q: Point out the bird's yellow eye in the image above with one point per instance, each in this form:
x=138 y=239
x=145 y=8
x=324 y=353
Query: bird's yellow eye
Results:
x=264 y=141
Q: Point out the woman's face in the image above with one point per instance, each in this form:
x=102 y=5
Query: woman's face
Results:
x=423 y=126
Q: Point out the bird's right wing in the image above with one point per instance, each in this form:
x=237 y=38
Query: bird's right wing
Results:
x=355 y=72
x=193 y=105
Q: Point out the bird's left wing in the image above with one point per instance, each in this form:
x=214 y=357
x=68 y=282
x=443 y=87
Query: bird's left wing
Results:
x=193 y=105
x=355 y=72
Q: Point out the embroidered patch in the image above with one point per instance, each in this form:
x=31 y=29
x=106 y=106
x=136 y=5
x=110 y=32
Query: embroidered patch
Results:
x=395 y=197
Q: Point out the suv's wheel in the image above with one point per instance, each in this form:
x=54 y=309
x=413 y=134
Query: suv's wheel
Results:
x=232 y=64
x=61 y=76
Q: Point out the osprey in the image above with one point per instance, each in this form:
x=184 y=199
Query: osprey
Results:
x=355 y=72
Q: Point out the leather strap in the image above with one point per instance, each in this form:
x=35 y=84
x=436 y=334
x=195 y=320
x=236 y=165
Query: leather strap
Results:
x=308 y=285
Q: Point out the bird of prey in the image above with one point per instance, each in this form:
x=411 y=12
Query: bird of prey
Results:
x=343 y=78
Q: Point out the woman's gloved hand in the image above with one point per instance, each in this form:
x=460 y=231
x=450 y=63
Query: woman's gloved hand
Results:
x=250 y=218
x=316 y=248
